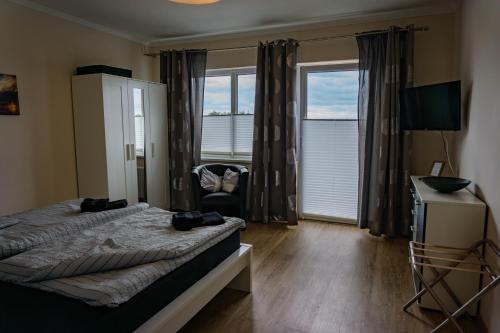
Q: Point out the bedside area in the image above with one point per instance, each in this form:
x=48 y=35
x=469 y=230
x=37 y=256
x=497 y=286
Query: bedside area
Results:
x=448 y=219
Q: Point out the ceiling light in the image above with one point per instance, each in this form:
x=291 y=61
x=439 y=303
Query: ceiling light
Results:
x=195 y=2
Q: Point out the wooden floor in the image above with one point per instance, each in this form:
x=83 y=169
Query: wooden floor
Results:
x=320 y=277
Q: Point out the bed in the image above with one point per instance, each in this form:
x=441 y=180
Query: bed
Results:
x=151 y=296
x=25 y=230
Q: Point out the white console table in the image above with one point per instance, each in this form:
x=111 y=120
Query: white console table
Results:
x=451 y=219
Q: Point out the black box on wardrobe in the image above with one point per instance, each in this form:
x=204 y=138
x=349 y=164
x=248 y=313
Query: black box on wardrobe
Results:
x=96 y=69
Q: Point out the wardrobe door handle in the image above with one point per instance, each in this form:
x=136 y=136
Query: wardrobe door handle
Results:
x=132 y=153
x=127 y=149
x=152 y=149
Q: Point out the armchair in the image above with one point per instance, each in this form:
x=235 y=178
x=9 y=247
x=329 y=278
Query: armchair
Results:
x=227 y=204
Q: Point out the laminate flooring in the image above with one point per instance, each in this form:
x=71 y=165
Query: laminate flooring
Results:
x=321 y=277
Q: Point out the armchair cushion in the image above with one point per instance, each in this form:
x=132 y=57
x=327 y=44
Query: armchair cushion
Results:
x=209 y=181
x=230 y=181
x=220 y=199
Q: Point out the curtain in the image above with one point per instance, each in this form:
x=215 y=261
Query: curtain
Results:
x=273 y=182
x=184 y=74
x=385 y=67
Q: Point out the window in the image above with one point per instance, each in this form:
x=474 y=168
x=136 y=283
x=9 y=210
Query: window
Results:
x=139 y=122
x=329 y=173
x=332 y=95
x=228 y=114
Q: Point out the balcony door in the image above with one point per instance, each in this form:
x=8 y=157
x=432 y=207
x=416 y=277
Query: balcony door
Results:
x=329 y=142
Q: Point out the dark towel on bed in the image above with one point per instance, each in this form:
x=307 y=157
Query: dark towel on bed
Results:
x=99 y=205
x=192 y=217
x=212 y=218
x=117 y=204
x=186 y=221
x=190 y=220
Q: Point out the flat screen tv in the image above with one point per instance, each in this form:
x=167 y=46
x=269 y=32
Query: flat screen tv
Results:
x=432 y=107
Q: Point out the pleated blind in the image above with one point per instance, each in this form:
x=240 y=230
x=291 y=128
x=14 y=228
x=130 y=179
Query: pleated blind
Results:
x=139 y=135
x=216 y=135
x=219 y=139
x=330 y=168
x=243 y=132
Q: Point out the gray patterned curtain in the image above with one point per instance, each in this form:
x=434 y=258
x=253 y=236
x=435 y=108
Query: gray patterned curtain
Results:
x=273 y=180
x=385 y=67
x=184 y=74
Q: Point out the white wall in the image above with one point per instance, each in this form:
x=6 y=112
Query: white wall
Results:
x=479 y=142
x=436 y=60
x=37 y=163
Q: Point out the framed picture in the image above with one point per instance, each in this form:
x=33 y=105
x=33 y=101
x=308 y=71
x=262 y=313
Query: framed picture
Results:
x=437 y=168
x=9 y=100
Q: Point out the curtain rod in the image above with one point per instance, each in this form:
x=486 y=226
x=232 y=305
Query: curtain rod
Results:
x=310 y=40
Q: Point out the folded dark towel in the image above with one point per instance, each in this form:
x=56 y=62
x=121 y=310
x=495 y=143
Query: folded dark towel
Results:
x=94 y=205
x=99 y=205
x=212 y=218
x=192 y=217
x=187 y=221
x=117 y=204
x=190 y=220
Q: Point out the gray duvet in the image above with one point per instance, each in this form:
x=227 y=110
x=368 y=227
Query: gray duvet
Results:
x=110 y=263
x=26 y=230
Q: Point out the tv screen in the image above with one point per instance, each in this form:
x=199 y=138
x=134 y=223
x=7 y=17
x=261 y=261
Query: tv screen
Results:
x=432 y=107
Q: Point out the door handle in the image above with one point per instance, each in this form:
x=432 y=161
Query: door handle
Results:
x=152 y=149
x=127 y=151
x=132 y=149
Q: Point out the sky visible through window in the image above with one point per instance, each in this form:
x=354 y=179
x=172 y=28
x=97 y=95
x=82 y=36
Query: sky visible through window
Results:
x=332 y=95
x=246 y=93
x=217 y=100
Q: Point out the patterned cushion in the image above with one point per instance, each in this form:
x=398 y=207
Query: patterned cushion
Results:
x=210 y=181
x=230 y=181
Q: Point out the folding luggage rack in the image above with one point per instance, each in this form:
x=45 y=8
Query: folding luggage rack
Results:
x=441 y=260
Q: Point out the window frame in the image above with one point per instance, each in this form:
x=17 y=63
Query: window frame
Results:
x=233 y=73
x=304 y=69
x=351 y=65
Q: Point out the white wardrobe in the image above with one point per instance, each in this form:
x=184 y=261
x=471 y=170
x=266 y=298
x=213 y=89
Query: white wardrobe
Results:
x=118 y=123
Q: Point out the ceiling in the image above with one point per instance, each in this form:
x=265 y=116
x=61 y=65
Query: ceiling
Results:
x=152 y=20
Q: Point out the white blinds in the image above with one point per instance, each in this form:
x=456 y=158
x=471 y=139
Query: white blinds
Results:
x=216 y=134
x=243 y=133
x=330 y=168
x=217 y=137
x=139 y=135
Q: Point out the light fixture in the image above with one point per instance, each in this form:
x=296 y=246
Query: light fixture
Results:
x=195 y=2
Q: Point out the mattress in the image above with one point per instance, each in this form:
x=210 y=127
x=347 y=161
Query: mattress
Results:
x=109 y=264
x=25 y=230
x=25 y=309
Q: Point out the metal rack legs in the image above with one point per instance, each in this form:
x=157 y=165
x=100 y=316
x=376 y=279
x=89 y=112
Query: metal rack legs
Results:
x=441 y=260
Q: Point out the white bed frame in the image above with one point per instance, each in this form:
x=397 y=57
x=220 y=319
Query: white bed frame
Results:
x=234 y=272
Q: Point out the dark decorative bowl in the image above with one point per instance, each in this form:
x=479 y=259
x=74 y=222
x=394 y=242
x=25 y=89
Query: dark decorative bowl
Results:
x=445 y=184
